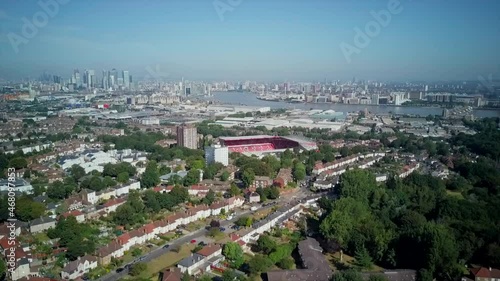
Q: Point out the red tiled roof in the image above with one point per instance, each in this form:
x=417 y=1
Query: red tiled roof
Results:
x=149 y=228
x=483 y=272
x=123 y=239
x=113 y=202
x=209 y=250
x=4 y=243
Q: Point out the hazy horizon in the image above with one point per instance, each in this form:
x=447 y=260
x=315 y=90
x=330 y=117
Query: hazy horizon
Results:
x=255 y=40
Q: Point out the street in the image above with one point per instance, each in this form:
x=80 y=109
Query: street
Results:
x=198 y=235
x=157 y=252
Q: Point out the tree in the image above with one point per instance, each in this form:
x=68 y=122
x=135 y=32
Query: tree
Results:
x=244 y=221
x=77 y=172
x=224 y=176
x=3 y=267
x=108 y=181
x=18 y=163
x=138 y=268
x=266 y=244
x=122 y=177
x=286 y=263
x=209 y=197
x=357 y=184
x=165 y=170
x=299 y=171
x=281 y=252
x=27 y=174
x=27 y=209
x=248 y=177
x=363 y=259
x=151 y=176
x=151 y=201
x=192 y=177
x=234 y=254
x=234 y=190
x=215 y=223
x=259 y=263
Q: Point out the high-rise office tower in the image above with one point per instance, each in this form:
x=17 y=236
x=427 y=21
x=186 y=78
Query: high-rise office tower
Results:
x=77 y=77
x=187 y=136
x=126 y=79
x=105 y=80
x=87 y=78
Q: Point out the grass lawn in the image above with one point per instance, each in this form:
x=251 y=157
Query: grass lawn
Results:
x=347 y=262
x=195 y=226
x=165 y=261
x=455 y=194
x=261 y=214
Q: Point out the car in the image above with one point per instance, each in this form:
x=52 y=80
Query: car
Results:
x=120 y=270
x=222 y=229
x=202 y=243
x=166 y=246
x=193 y=241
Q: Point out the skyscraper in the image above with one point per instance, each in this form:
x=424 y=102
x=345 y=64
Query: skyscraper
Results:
x=126 y=79
x=105 y=80
x=187 y=136
x=78 y=80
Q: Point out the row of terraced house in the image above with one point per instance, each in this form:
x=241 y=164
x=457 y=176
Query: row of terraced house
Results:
x=126 y=241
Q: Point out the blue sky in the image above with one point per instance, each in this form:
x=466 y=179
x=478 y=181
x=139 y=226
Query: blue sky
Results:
x=257 y=39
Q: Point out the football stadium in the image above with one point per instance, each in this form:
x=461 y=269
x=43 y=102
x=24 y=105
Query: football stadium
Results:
x=264 y=144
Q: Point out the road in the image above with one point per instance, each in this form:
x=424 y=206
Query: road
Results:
x=159 y=251
x=196 y=235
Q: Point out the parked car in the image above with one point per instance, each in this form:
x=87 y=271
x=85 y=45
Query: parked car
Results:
x=193 y=241
x=202 y=243
x=166 y=246
x=120 y=270
x=222 y=229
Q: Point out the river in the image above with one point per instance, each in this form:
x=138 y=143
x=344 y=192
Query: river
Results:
x=245 y=98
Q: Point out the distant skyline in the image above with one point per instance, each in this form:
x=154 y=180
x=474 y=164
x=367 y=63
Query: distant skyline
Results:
x=264 y=40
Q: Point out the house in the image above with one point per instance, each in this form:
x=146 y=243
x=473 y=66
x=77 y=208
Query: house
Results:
x=284 y=177
x=7 y=228
x=79 y=267
x=41 y=224
x=210 y=251
x=74 y=203
x=262 y=182
x=191 y=263
x=80 y=217
x=22 y=269
x=253 y=197
x=316 y=267
x=483 y=274
x=105 y=254
x=20 y=185
x=173 y=274
x=112 y=204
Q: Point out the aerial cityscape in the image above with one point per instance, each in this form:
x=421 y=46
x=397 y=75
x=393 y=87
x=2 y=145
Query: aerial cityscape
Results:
x=234 y=140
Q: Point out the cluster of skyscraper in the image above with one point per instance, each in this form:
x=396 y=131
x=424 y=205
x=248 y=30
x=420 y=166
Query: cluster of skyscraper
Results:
x=109 y=80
